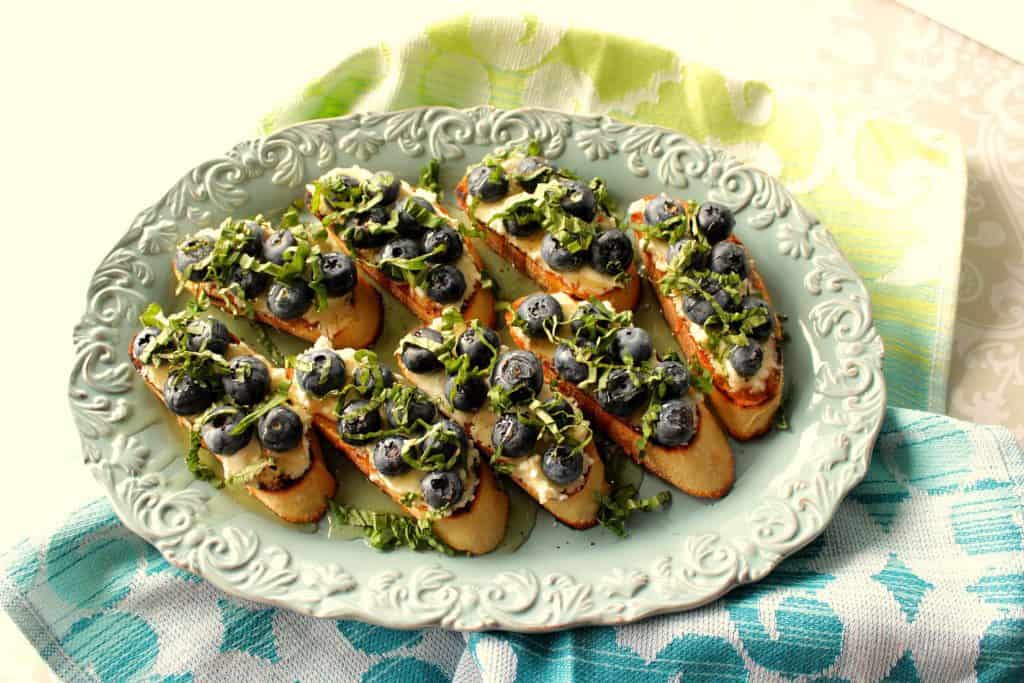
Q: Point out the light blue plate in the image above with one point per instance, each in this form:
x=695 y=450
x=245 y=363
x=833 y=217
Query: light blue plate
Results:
x=788 y=484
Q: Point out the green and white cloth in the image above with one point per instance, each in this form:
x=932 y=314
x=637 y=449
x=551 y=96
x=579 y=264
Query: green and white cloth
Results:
x=891 y=192
x=920 y=576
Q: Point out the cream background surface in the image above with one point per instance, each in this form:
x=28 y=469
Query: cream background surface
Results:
x=122 y=98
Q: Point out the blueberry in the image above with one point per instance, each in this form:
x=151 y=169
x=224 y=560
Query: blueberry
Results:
x=698 y=260
x=217 y=432
x=466 y=395
x=358 y=419
x=488 y=183
x=445 y=440
x=249 y=236
x=190 y=252
x=366 y=383
x=611 y=252
x=319 y=371
x=722 y=297
x=562 y=465
x=479 y=344
x=561 y=412
x=559 y=258
x=441 y=489
x=408 y=415
x=579 y=201
x=207 y=335
x=582 y=310
x=387 y=456
x=398 y=248
x=567 y=367
x=715 y=221
x=289 y=301
x=622 y=394
x=360 y=232
x=728 y=257
x=142 y=339
x=417 y=358
x=539 y=311
x=675 y=378
x=247 y=382
x=407 y=223
x=388 y=184
x=764 y=330
x=660 y=209
x=633 y=342
x=251 y=282
x=338 y=272
x=446 y=242
x=186 y=395
x=746 y=360
x=677 y=422
x=514 y=437
x=280 y=429
x=521 y=222
x=534 y=170
x=445 y=284
x=519 y=374
x=698 y=309
x=276 y=244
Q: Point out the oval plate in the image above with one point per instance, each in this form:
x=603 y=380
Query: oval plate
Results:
x=788 y=484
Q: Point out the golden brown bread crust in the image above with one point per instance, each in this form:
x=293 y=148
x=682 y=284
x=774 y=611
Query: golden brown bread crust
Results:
x=303 y=500
x=479 y=305
x=366 y=320
x=477 y=529
x=578 y=510
x=622 y=298
x=746 y=415
x=703 y=468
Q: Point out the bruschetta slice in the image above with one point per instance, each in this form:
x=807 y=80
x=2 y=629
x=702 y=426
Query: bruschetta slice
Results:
x=553 y=227
x=235 y=405
x=394 y=434
x=529 y=431
x=296 y=278
x=404 y=240
x=716 y=304
x=650 y=408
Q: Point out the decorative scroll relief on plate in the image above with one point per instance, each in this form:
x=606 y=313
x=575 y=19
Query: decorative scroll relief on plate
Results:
x=848 y=383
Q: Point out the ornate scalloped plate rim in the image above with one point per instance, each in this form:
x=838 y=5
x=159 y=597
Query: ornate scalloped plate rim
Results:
x=194 y=547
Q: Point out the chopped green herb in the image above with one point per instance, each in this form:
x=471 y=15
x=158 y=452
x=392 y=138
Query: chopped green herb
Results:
x=430 y=177
x=248 y=473
x=195 y=465
x=616 y=509
x=386 y=530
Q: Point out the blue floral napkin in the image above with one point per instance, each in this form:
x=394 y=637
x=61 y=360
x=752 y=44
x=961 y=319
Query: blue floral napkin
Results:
x=919 y=577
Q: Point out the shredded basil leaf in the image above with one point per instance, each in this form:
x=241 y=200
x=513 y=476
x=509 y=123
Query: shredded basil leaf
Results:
x=616 y=509
x=198 y=469
x=430 y=177
x=386 y=530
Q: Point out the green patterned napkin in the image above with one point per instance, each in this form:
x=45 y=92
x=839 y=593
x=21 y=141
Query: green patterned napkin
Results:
x=890 y=191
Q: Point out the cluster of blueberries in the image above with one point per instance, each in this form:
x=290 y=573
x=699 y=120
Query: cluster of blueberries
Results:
x=440 y=246
x=519 y=377
x=286 y=299
x=375 y=409
x=244 y=385
x=627 y=378
x=610 y=252
x=715 y=222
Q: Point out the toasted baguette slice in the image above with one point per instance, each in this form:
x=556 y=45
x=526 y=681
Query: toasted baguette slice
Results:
x=476 y=528
x=300 y=500
x=524 y=255
x=703 y=468
x=745 y=413
x=578 y=509
x=360 y=328
x=478 y=300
